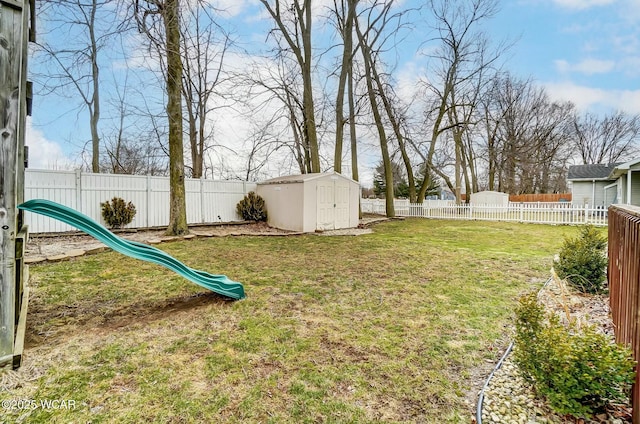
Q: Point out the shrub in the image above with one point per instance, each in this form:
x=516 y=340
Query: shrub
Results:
x=583 y=261
x=578 y=371
x=117 y=213
x=252 y=208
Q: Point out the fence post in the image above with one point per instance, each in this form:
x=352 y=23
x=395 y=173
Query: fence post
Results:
x=202 y=199
x=521 y=212
x=79 y=191
x=586 y=213
x=148 y=205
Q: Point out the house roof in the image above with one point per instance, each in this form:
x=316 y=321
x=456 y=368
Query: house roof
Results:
x=622 y=168
x=591 y=172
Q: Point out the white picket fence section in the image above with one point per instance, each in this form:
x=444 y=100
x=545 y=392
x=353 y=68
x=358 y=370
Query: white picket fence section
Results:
x=540 y=213
x=207 y=201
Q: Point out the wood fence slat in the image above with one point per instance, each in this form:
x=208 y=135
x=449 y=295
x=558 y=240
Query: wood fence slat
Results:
x=624 y=284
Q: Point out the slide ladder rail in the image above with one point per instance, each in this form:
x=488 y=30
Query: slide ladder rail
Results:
x=220 y=284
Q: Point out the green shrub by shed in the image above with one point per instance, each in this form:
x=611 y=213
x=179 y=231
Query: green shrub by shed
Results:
x=252 y=208
x=117 y=213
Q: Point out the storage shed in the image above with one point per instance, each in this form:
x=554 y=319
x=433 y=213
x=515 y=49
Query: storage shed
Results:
x=490 y=198
x=310 y=202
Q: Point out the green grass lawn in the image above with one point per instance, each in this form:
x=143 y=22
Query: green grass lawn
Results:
x=401 y=325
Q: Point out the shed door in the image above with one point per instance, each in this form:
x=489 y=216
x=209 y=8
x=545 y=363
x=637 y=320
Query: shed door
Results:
x=333 y=204
x=325 y=205
x=342 y=204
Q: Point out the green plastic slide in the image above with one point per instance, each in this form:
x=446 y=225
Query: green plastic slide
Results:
x=217 y=283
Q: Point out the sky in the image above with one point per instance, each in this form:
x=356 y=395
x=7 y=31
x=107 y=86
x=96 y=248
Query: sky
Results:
x=585 y=51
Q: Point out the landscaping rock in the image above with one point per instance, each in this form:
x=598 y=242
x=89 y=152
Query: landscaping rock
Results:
x=510 y=399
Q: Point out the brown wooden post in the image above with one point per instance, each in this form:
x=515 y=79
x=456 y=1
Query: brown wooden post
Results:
x=624 y=284
x=14 y=35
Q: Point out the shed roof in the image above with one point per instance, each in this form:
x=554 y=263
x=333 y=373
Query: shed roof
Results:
x=299 y=178
x=591 y=172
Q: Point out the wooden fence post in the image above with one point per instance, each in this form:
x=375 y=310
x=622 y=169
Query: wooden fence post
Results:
x=624 y=284
x=14 y=30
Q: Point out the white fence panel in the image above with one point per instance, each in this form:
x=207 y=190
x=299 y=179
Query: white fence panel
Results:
x=98 y=188
x=158 y=201
x=207 y=201
x=193 y=193
x=59 y=187
x=540 y=213
x=221 y=197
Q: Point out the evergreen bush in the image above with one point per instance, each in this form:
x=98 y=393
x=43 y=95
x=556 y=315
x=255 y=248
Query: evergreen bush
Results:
x=583 y=262
x=117 y=213
x=578 y=371
x=252 y=208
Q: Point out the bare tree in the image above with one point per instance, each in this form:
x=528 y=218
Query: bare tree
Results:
x=160 y=21
x=275 y=92
x=462 y=57
x=527 y=136
x=204 y=47
x=372 y=33
x=607 y=139
x=78 y=32
x=293 y=33
x=345 y=14
x=128 y=151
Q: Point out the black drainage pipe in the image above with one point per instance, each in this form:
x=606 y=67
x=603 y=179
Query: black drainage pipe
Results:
x=486 y=384
x=498 y=365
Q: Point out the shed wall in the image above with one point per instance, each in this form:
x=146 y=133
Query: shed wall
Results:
x=285 y=205
x=310 y=206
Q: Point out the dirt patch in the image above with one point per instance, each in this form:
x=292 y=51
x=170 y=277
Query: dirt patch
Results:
x=52 y=247
x=104 y=319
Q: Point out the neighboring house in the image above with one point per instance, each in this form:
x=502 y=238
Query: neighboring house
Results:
x=602 y=185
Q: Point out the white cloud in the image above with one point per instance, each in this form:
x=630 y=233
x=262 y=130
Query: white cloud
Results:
x=582 y=4
x=408 y=81
x=586 y=66
x=595 y=98
x=43 y=153
x=630 y=66
x=229 y=8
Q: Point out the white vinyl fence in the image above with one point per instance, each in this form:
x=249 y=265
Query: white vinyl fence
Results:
x=207 y=201
x=540 y=213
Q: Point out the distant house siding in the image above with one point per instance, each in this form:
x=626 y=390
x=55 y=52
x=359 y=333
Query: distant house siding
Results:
x=600 y=195
x=611 y=195
x=583 y=191
x=635 y=188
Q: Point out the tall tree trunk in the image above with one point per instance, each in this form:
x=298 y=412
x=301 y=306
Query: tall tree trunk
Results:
x=384 y=147
x=352 y=128
x=307 y=95
x=458 y=167
x=395 y=124
x=345 y=71
x=94 y=107
x=303 y=54
x=177 y=201
x=352 y=134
